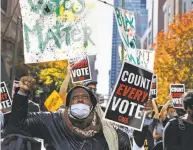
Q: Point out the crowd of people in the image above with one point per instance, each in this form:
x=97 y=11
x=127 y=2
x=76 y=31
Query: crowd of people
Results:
x=80 y=126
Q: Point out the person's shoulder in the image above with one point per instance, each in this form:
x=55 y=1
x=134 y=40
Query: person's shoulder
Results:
x=172 y=123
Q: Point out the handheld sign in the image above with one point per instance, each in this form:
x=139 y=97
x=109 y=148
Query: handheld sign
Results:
x=53 y=102
x=15 y=85
x=80 y=69
x=6 y=101
x=176 y=92
x=126 y=105
x=153 y=91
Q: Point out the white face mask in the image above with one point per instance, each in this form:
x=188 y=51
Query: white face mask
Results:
x=80 y=111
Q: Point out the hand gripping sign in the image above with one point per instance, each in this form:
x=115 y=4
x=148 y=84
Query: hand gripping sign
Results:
x=177 y=91
x=126 y=105
x=80 y=69
x=6 y=101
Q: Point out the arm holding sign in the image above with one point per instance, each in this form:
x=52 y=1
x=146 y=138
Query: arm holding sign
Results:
x=64 y=86
x=163 y=110
x=20 y=120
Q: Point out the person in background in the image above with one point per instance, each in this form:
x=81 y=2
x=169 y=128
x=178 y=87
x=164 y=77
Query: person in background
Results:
x=178 y=133
x=167 y=112
x=158 y=130
x=148 y=126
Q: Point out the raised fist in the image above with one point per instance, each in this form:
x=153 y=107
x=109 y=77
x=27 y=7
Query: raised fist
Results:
x=26 y=83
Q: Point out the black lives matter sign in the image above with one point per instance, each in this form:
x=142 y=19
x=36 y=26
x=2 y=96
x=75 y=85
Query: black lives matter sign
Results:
x=153 y=91
x=177 y=91
x=6 y=101
x=126 y=105
x=80 y=69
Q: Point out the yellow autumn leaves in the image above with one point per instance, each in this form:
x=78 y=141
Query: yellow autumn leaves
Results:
x=174 y=56
x=50 y=72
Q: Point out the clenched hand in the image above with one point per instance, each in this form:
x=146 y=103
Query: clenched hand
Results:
x=26 y=84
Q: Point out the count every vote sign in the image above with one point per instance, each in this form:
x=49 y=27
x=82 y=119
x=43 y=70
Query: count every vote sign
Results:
x=126 y=105
x=80 y=68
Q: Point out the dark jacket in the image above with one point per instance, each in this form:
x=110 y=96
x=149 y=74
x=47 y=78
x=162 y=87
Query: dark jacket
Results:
x=52 y=128
x=178 y=135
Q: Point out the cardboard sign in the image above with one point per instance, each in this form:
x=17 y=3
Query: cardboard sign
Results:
x=80 y=69
x=6 y=101
x=53 y=102
x=53 y=29
x=126 y=105
x=177 y=91
x=153 y=91
x=15 y=85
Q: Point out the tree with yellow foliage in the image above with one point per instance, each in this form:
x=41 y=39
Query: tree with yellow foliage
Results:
x=50 y=73
x=174 y=56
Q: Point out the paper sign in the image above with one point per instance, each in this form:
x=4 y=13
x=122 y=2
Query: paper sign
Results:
x=141 y=57
x=6 y=101
x=80 y=69
x=53 y=29
x=15 y=85
x=126 y=105
x=177 y=91
x=153 y=91
x=53 y=102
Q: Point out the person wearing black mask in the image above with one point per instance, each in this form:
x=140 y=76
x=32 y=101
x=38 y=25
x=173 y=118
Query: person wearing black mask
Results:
x=178 y=133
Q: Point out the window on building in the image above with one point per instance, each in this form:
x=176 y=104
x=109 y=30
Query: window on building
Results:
x=149 y=24
x=192 y=4
x=4 y=5
x=149 y=38
x=169 y=15
x=184 y=6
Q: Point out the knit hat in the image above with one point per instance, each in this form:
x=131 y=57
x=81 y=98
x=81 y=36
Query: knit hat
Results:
x=92 y=97
x=90 y=82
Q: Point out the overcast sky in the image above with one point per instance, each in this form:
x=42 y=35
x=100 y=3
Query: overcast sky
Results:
x=104 y=45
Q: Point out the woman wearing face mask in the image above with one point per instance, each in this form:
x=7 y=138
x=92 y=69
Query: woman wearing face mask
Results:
x=79 y=127
x=167 y=112
x=178 y=133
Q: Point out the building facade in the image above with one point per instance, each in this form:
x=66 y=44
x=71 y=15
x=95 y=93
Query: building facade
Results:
x=177 y=7
x=94 y=71
x=9 y=40
x=155 y=22
x=138 y=6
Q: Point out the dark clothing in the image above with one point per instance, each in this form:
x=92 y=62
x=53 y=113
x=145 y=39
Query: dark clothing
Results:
x=20 y=142
x=146 y=133
x=53 y=129
x=165 y=121
x=33 y=107
x=178 y=136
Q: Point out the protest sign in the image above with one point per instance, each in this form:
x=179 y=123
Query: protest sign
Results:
x=153 y=91
x=15 y=85
x=126 y=26
x=141 y=57
x=80 y=69
x=177 y=91
x=54 y=29
x=53 y=102
x=132 y=89
x=6 y=101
